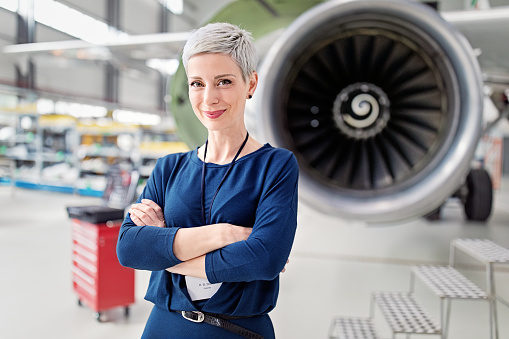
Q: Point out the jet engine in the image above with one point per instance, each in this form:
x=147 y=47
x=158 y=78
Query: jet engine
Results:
x=380 y=101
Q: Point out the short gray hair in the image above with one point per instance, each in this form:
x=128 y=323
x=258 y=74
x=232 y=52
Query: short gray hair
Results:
x=223 y=38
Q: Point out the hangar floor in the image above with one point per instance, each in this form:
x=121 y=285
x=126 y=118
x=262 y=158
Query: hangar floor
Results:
x=334 y=268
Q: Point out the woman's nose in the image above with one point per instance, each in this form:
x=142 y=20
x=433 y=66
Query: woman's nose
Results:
x=210 y=95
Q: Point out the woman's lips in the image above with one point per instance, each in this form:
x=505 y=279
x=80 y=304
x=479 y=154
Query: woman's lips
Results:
x=214 y=114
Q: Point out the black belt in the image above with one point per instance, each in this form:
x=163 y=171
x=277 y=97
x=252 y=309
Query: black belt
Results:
x=221 y=321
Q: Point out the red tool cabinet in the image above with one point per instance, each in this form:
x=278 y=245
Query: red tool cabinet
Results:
x=98 y=278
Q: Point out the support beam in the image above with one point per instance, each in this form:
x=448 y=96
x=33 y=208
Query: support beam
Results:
x=164 y=21
x=25 y=69
x=111 y=92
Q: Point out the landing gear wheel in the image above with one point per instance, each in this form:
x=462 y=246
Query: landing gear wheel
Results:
x=479 y=198
x=434 y=215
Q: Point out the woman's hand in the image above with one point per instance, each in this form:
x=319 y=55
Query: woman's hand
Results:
x=284 y=268
x=147 y=213
x=233 y=233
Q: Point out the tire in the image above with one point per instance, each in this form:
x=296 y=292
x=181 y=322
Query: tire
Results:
x=479 y=199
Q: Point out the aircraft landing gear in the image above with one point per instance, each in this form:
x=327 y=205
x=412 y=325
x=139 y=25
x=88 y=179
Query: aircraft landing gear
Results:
x=476 y=195
x=479 y=195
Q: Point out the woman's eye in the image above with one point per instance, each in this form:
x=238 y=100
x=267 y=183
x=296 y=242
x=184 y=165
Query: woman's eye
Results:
x=195 y=84
x=224 y=82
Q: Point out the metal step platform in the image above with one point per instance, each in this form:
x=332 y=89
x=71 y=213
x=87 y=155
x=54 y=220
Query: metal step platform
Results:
x=404 y=314
x=484 y=250
x=352 y=328
x=490 y=254
x=447 y=282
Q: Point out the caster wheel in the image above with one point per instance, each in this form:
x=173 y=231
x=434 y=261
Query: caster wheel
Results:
x=98 y=317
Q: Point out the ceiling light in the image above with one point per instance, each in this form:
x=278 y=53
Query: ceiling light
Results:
x=10 y=5
x=165 y=66
x=174 y=6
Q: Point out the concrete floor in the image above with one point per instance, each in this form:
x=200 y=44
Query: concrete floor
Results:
x=334 y=267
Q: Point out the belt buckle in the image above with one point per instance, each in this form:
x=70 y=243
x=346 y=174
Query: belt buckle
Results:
x=200 y=315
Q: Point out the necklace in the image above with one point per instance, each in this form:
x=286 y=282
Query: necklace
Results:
x=203 y=169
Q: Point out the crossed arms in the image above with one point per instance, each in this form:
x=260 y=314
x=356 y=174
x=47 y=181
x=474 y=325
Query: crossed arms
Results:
x=220 y=252
x=190 y=244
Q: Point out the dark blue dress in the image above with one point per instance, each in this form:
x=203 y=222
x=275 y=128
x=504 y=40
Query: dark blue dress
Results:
x=259 y=192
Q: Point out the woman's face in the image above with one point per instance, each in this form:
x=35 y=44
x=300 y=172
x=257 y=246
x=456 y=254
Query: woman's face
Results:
x=217 y=91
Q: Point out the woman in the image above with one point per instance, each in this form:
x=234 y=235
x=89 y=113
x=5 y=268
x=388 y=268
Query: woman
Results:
x=216 y=224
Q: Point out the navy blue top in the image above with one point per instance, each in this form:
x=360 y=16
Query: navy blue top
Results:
x=259 y=192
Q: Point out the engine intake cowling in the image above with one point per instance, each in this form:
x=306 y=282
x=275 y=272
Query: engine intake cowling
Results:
x=381 y=102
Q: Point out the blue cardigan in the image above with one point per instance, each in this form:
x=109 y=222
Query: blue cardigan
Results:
x=260 y=192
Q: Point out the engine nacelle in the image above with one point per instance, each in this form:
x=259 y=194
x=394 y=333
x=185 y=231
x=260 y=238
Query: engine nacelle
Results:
x=380 y=101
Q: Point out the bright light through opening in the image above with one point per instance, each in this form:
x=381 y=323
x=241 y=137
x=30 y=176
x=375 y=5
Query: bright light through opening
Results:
x=70 y=21
x=45 y=106
x=10 y=5
x=80 y=110
x=166 y=66
x=73 y=22
x=175 y=6
x=132 y=117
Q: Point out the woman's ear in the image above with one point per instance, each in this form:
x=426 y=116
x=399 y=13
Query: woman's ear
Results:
x=253 y=82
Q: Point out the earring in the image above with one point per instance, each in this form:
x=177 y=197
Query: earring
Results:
x=249 y=96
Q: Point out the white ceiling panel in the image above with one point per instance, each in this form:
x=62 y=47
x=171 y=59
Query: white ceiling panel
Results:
x=44 y=33
x=7 y=27
x=94 y=8
x=140 y=16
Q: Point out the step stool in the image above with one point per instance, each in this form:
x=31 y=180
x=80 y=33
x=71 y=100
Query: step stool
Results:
x=404 y=314
x=447 y=283
x=352 y=328
x=489 y=253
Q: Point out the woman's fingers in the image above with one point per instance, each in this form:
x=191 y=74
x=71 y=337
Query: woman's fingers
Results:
x=147 y=213
x=284 y=268
x=137 y=221
x=155 y=207
x=148 y=210
x=139 y=217
x=142 y=216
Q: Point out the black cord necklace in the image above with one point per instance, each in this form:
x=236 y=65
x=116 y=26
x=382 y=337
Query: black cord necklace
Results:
x=205 y=222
